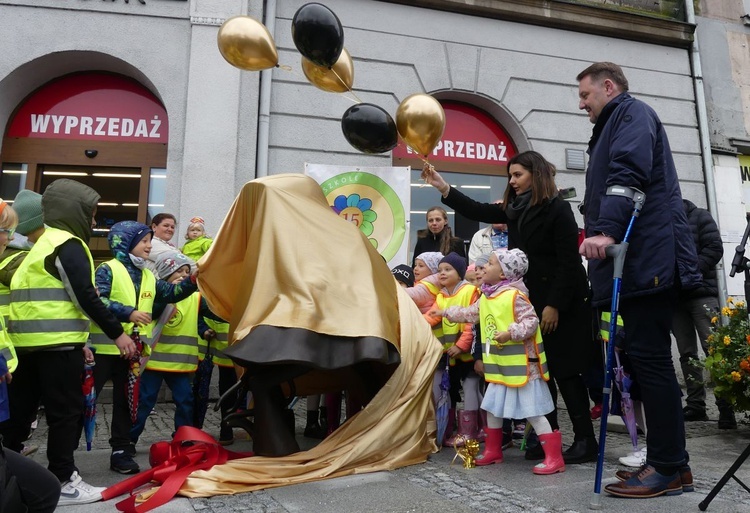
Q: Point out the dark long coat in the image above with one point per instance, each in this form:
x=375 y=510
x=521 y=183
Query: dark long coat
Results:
x=556 y=275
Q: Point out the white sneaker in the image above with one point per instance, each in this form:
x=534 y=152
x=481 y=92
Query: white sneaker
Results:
x=634 y=459
x=76 y=491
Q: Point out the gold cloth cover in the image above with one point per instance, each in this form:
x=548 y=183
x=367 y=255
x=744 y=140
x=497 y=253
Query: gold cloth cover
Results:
x=285 y=259
x=288 y=260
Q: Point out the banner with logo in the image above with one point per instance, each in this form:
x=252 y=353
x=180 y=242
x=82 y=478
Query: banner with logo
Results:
x=376 y=199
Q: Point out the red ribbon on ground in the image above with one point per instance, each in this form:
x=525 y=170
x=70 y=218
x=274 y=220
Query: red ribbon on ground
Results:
x=172 y=462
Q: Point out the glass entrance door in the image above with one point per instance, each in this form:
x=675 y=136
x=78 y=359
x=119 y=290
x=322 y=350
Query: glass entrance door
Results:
x=118 y=187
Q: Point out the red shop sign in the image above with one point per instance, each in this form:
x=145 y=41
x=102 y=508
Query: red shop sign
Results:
x=472 y=142
x=92 y=106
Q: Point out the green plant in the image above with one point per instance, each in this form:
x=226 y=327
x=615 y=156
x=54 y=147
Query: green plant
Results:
x=728 y=359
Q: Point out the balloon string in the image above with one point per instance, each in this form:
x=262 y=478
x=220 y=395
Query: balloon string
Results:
x=345 y=85
x=424 y=160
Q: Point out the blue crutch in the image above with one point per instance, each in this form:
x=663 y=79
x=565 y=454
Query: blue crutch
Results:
x=617 y=252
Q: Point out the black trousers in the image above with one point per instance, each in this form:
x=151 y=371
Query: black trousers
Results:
x=576 y=398
x=40 y=488
x=52 y=378
x=227 y=378
x=112 y=367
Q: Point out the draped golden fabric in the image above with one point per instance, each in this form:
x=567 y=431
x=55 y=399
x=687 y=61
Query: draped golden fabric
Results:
x=283 y=258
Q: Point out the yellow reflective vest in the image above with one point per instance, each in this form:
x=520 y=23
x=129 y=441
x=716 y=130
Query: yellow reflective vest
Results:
x=604 y=326
x=219 y=344
x=177 y=348
x=7 y=349
x=42 y=313
x=5 y=290
x=509 y=364
x=464 y=296
x=437 y=330
x=123 y=291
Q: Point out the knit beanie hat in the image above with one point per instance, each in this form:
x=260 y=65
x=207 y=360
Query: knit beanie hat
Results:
x=140 y=232
x=457 y=262
x=404 y=274
x=168 y=262
x=482 y=260
x=513 y=262
x=431 y=259
x=28 y=206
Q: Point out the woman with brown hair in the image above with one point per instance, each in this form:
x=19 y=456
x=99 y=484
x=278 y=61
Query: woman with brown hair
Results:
x=541 y=224
x=163 y=225
x=438 y=236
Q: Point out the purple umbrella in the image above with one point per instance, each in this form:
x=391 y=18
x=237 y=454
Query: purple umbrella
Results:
x=623 y=382
x=443 y=405
x=89 y=397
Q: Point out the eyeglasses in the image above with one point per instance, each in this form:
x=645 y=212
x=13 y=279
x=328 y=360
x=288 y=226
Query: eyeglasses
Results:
x=9 y=231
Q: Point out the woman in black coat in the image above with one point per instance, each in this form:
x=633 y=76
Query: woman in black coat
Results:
x=437 y=236
x=541 y=224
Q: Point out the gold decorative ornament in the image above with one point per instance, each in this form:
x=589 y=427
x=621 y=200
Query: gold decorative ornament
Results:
x=468 y=453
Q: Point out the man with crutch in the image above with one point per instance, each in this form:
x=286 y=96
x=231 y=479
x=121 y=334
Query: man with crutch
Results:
x=629 y=149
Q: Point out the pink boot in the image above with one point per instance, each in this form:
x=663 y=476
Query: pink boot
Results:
x=493 y=448
x=467 y=427
x=553 y=458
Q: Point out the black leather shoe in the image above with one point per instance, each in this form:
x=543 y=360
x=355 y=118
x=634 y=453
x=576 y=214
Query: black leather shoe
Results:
x=691 y=415
x=534 y=453
x=581 y=451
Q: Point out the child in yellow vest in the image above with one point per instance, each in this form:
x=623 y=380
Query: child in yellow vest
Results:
x=426 y=285
x=174 y=357
x=215 y=339
x=456 y=339
x=515 y=365
x=129 y=290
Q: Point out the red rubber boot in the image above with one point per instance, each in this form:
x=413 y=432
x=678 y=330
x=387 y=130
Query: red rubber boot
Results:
x=553 y=458
x=493 y=448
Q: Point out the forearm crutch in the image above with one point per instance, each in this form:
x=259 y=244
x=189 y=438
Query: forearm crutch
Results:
x=617 y=252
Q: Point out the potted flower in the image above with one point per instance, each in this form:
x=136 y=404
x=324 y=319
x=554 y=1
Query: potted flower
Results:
x=728 y=359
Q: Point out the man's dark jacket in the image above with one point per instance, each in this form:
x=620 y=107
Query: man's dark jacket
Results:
x=629 y=147
x=709 y=246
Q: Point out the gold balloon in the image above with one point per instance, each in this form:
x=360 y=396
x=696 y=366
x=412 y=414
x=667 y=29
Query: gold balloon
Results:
x=246 y=44
x=420 y=121
x=338 y=79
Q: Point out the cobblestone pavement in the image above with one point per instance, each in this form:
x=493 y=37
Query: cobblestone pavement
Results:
x=437 y=485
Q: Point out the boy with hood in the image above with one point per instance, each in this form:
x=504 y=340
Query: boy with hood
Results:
x=129 y=290
x=52 y=299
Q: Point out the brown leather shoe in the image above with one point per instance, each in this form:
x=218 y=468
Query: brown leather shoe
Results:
x=686 y=476
x=645 y=484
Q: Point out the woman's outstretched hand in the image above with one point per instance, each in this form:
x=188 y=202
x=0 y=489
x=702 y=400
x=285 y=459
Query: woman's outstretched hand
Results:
x=432 y=177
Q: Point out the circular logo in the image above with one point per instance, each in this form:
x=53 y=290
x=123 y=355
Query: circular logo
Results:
x=175 y=320
x=372 y=205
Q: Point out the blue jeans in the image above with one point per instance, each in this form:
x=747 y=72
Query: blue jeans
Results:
x=648 y=320
x=181 y=385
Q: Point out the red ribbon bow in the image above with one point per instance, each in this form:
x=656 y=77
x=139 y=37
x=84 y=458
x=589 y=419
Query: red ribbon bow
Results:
x=172 y=462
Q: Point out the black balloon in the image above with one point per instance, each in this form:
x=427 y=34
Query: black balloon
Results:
x=369 y=128
x=318 y=34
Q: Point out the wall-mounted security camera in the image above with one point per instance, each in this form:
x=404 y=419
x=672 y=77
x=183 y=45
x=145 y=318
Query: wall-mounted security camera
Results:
x=91 y=153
